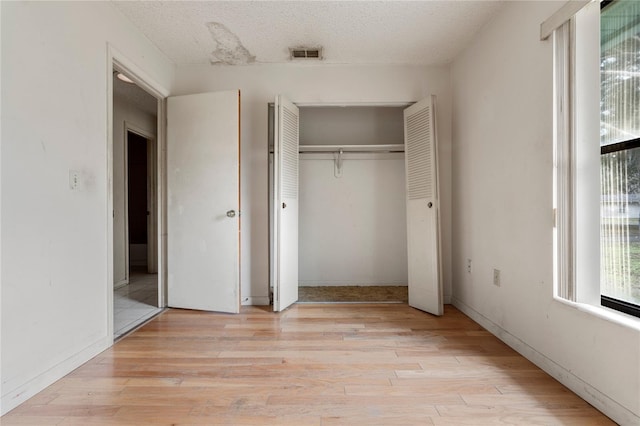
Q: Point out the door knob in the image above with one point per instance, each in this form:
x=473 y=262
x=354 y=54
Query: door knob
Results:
x=231 y=213
x=430 y=204
x=284 y=205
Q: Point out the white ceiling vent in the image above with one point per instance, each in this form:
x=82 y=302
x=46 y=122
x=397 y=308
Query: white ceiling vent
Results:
x=296 y=53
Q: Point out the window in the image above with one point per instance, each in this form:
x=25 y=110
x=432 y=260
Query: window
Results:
x=620 y=155
x=597 y=153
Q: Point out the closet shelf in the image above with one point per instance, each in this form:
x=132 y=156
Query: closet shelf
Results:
x=352 y=148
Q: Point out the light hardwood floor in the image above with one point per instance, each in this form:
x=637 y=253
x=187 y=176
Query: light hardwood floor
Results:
x=377 y=364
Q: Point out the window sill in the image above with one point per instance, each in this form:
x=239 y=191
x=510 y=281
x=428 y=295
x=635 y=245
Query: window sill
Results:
x=604 y=313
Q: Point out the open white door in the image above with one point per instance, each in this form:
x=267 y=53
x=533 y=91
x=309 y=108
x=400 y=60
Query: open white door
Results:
x=203 y=164
x=423 y=223
x=285 y=288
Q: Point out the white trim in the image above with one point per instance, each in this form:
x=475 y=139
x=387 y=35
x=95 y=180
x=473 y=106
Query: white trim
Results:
x=110 y=205
x=161 y=199
x=152 y=206
x=137 y=74
x=584 y=390
x=120 y=284
x=29 y=388
x=131 y=127
x=604 y=313
x=586 y=155
x=561 y=16
x=125 y=200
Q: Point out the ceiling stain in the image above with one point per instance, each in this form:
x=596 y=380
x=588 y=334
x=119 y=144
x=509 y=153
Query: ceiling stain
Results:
x=229 y=50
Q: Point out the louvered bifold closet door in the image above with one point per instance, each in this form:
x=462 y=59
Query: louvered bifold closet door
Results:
x=423 y=230
x=286 y=205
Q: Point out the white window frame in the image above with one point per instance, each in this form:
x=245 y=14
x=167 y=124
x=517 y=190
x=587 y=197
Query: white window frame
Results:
x=577 y=164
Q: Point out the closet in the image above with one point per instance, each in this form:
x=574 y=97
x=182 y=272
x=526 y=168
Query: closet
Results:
x=338 y=198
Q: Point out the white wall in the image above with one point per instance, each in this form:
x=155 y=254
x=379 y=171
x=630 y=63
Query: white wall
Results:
x=329 y=84
x=54 y=109
x=124 y=113
x=502 y=215
x=55 y=277
x=351 y=126
x=352 y=229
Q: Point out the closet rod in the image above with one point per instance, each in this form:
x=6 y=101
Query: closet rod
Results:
x=352 y=148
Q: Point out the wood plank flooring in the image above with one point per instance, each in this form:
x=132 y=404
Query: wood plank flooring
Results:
x=378 y=364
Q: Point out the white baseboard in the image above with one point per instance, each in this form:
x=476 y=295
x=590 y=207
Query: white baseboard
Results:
x=120 y=284
x=23 y=392
x=593 y=396
x=256 y=301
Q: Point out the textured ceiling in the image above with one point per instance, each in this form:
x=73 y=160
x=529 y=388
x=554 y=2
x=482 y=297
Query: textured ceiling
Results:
x=135 y=96
x=351 y=32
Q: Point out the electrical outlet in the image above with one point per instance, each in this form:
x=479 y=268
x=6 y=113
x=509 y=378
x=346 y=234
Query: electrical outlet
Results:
x=468 y=266
x=496 y=277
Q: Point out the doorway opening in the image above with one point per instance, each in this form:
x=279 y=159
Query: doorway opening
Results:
x=135 y=206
